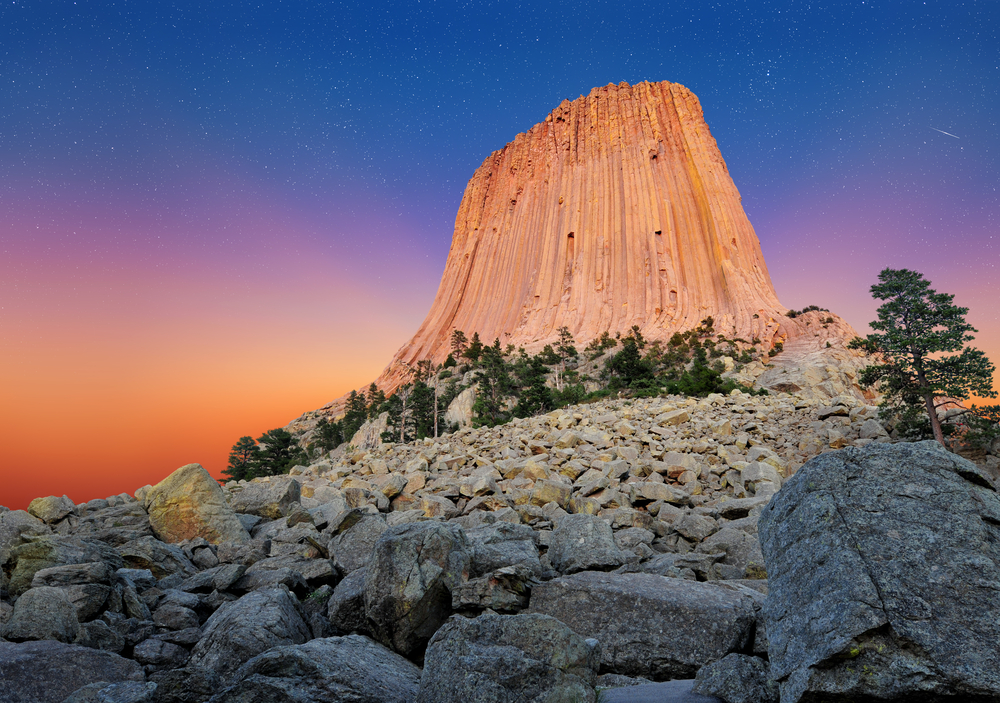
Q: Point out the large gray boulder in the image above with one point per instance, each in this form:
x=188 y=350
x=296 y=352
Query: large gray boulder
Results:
x=122 y=692
x=51 y=508
x=584 y=542
x=352 y=668
x=159 y=558
x=503 y=544
x=43 y=613
x=884 y=568
x=526 y=658
x=409 y=581
x=189 y=503
x=346 y=607
x=269 y=498
x=48 y=671
x=239 y=631
x=649 y=625
x=352 y=548
x=45 y=552
x=15 y=525
x=737 y=678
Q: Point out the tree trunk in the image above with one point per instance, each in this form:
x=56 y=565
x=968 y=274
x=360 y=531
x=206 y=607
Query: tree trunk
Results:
x=435 y=411
x=402 y=420
x=935 y=422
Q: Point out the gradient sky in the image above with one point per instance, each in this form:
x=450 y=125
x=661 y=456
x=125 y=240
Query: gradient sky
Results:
x=215 y=216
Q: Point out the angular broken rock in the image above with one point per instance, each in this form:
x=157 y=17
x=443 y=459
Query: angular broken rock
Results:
x=650 y=626
x=346 y=607
x=882 y=569
x=43 y=613
x=48 y=671
x=189 y=503
x=351 y=668
x=508 y=659
x=51 y=508
x=236 y=633
x=160 y=558
x=409 y=580
x=584 y=542
x=351 y=549
x=269 y=499
x=25 y=560
x=737 y=678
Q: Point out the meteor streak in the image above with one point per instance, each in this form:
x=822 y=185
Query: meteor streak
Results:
x=943 y=132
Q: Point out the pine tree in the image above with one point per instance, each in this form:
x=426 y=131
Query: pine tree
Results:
x=915 y=327
x=459 y=342
x=242 y=459
x=475 y=349
x=279 y=452
x=328 y=436
x=355 y=414
x=494 y=389
x=535 y=396
x=376 y=398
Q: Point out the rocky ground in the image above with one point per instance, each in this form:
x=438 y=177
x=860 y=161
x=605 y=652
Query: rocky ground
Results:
x=598 y=547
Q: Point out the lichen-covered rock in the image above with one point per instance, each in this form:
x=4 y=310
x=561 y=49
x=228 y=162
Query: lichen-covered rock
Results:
x=883 y=564
x=48 y=671
x=237 y=632
x=124 y=692
x=346 y=607
x=161 y=559
x=737 y=678
x=351 y=549
x=351 y=668
x=270 y=498
x=648 y=625
x=45 y=552
x=189 y=503
x=526 y=658
x=409 y=580
x=584 y=543
x=43 y=613
x=51 y=508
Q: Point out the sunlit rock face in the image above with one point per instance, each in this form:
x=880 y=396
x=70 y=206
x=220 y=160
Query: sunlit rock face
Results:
x=616 y=210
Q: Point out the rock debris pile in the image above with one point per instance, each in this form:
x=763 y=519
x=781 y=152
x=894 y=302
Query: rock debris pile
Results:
x=602 y=546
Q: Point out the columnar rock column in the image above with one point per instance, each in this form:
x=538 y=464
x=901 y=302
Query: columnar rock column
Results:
x=617 y=210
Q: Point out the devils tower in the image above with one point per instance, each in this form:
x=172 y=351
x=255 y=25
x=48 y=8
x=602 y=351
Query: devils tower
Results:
x=616 y=210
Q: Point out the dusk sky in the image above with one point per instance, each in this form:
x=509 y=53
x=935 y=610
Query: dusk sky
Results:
x=215 y=216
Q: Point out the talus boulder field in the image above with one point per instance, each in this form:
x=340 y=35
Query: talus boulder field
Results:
x=878 y=579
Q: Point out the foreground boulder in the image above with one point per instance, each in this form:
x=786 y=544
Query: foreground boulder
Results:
x=271 y=498
x=49 y=551
x=648 y=625
x=524 y=658
x=584 y=542
x=189 y=503
x=737 y=678
x=409 y=582
x=48 y=672
x=239 y=631
x=351 y=668
x=883 y=566
x=51 y=508
x=43 y=613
